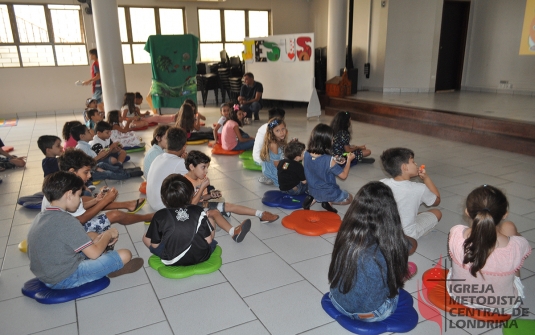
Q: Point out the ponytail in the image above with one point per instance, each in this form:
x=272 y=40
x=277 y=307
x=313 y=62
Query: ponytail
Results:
x=486 y=206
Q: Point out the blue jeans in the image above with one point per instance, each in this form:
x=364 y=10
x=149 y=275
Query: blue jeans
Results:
x=110 y=172
x=385 y=310
x=244 y=146
x=301 y=189
x=90 y=270
x=251 y=109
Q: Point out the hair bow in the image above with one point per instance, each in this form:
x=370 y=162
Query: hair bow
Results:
x=236 y=107
x=273 y=123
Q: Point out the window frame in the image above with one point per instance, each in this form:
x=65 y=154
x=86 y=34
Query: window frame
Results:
x=128 y=23
x=50 y=33
x=222 y=20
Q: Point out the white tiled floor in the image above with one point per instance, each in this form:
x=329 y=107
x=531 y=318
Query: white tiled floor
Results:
x=273 y=281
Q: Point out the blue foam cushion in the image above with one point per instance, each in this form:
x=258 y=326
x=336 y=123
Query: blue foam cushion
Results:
x=32 y=205
x=404 y=319
x=283 y=200
x=35 y=289
x=37 y=197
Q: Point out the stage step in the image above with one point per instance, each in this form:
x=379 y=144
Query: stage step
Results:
x=485 y=131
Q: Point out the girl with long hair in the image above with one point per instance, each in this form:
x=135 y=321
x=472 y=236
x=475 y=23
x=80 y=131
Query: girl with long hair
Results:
x=369 y=262
x=123 y=134
x=341 y=125
x=275 y=140
x=232 y=137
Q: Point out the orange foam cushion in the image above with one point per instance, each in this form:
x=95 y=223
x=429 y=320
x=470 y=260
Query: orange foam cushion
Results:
x=7 y=148
x=218 y=150
x=435 y=280
x=312 y=223
x=143 y=187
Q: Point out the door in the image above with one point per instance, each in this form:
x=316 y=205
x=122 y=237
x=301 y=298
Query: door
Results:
x=452 y=45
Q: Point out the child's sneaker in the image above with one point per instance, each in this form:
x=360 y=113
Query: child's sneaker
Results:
x=130 y=267
x=413 y=269
x=268 y=217
x=265 y=180
x=241 y=230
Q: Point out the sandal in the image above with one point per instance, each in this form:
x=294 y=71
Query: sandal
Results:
x=139 y=205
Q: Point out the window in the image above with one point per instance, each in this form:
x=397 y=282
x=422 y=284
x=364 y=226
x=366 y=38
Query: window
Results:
x=42 y=35
x=136 y=24
x=225 y=30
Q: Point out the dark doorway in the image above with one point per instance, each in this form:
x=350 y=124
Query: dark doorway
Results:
x=452 y=45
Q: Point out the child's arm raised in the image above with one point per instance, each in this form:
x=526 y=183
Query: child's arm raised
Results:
x=430 y=185
x=345 y=173
x=198 y=197
x=100 y=243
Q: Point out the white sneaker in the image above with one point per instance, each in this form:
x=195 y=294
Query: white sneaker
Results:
x=265 y=180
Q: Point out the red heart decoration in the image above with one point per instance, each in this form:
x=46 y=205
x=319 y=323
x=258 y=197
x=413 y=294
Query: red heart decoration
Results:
x=291 y=55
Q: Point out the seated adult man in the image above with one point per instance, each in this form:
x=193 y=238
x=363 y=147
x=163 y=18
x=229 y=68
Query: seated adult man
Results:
x=250 y=98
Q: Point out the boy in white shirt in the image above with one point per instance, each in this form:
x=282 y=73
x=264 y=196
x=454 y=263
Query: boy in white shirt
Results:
x=400 y=164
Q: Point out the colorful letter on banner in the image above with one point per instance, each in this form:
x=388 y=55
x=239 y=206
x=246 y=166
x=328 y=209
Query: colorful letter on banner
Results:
x=247 y=53
x=288 y=49
x=527 y=41
x=275 y=53
x=305 y=51
x=259 y=51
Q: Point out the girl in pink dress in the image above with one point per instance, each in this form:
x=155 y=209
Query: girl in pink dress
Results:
x=486 y=257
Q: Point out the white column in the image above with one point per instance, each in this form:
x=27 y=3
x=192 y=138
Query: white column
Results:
x=110 y=54
x=336 y=34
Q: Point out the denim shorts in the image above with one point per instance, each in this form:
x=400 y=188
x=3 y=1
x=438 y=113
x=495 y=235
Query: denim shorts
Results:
x=385 y=310
x=98 y=224
x=342 y=197
x=301 y=189
x=90 y=270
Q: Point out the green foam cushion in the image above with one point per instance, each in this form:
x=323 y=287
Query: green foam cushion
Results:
x=178 y=272
x=251 y=165
x=135 y=149
x=523 y=327
x=246 y=156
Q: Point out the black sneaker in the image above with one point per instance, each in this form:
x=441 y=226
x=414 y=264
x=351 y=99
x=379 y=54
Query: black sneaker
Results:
x=327 y=206
x=307 y=202
x=134 y=174
x=368 y=160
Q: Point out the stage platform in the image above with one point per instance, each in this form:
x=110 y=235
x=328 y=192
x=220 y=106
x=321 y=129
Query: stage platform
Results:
x=498 y=121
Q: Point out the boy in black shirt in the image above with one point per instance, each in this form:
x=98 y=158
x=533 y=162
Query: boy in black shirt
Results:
x=51 y=147
x=290 y=171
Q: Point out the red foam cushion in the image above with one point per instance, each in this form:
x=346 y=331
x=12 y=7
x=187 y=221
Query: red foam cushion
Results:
x=438 y=296
x=218 y=150
x=312 y=223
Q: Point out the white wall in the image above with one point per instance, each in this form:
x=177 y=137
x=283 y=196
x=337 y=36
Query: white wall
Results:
x=319 y=12
x=411 y=51
x=494 y=43
x=52 y=88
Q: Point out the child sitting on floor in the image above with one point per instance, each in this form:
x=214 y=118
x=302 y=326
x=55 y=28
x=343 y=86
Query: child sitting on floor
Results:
x=62 y=255
x=218 y=127
x=159 y=144
x=101 y=141
x=488 y=254
x=123 y=134
x=232 y=137
x=180 y=234
x=369 y=263
x=51 y=147
x=94 y=117
x=259 y=141
x=188 y=121
x=290 y=171
x=89 y=208
x=341 y=125
x=321 y=171
x=10 y=161
x=70 y=142
x=197 y=164
x=399 y=163
x=275 y=140
x=102 y=170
